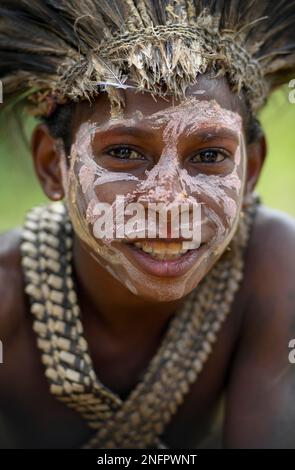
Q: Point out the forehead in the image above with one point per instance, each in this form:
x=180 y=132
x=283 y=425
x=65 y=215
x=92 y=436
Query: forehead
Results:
x=208 y=101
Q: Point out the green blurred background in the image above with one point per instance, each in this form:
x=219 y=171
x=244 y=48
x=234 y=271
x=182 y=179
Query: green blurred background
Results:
x=19 y=189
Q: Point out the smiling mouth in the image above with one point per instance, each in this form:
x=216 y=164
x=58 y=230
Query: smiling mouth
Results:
x=164 y=258
x=164 y=250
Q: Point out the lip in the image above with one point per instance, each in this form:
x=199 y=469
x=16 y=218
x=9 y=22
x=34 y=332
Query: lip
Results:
x=163 y=268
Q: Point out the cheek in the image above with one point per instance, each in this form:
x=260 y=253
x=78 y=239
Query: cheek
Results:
x=90 y=184
x=231 y=194
x=109 y=191
x=221 y=196
x=231 y=190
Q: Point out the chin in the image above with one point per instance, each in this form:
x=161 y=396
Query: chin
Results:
x=161 y=295
x=165 y=280
x=165 y=289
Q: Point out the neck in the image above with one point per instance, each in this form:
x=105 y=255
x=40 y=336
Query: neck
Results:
x=115 y=309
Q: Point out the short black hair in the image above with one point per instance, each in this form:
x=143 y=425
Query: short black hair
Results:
x=59 y=124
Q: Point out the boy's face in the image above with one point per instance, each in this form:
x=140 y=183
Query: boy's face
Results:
x=185 y=160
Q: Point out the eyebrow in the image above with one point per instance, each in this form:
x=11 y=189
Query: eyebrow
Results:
x=205 y=135
x=213 y=133
x=129 y=130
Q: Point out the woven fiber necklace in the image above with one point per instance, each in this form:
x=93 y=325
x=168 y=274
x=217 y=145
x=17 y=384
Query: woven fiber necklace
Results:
x=138 y=421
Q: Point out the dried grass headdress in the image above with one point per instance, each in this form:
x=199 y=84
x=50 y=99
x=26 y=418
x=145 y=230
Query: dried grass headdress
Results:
x=54 y=51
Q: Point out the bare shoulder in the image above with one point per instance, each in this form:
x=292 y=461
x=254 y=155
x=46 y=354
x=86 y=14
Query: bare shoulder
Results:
x=270 y=274
x=270 y=265
x=272 y=242
x=11 y=283
x=260 y=410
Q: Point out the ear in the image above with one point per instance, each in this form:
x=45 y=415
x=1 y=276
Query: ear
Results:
x=256 y=153
x=47 y=162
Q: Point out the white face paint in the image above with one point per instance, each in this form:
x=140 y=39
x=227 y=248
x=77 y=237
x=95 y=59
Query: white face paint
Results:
x=171 y=180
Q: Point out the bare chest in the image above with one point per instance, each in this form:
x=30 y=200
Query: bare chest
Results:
x=31 y=417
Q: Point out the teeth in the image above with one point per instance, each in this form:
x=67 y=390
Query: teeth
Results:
x=160 y=250
x=145 y=246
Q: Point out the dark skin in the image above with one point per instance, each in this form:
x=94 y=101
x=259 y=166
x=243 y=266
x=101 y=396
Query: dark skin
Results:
x=248 y=366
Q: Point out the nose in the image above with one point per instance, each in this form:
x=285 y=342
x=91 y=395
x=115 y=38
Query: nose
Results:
x=164 y=193
x=164 y=183
x=172 y=186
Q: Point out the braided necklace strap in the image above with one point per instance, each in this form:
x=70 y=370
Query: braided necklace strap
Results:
x=140 y=420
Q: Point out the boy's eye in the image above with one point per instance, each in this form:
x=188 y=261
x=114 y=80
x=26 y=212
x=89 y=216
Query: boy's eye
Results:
x=208 y=156
x=125 y=153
